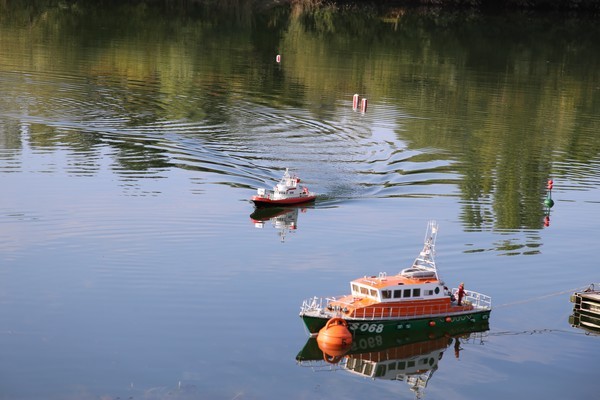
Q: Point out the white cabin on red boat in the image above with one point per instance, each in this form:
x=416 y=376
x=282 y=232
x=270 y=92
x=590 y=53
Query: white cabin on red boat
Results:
x=287 y=191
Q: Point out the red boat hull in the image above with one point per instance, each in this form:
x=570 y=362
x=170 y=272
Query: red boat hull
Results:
x=263 y=201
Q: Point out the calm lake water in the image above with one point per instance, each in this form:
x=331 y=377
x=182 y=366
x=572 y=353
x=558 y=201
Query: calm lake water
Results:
x=131 y=139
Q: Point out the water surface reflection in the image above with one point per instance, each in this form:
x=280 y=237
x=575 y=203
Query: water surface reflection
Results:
x=283 y=219
x=196 y=94
x=412 y=357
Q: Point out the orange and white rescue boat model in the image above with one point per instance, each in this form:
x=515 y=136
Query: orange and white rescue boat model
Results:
x=287 y=191
x=414 y=299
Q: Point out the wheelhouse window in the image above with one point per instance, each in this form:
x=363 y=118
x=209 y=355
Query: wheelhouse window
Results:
x=416 y=292
x=406 y=293
x=355 y=288
x=386 y=294
x=364 y=290
x=374 y=293
x=397 y=294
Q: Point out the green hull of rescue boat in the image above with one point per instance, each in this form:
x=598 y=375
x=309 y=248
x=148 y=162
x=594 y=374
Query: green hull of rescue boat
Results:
x=384 y=326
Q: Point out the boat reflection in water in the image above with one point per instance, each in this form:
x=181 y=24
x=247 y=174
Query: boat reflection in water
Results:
x=412 y=358
x=284 y=219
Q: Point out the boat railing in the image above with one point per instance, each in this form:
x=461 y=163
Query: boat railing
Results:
x=319 y=304
x=333 y=306
x=478 y=300
x=321 y=365
x=312 y=304
x=405 y=311
x=475 y=337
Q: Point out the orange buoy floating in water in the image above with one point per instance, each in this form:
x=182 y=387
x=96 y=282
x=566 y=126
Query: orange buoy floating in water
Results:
x=335 y=334
x=334 y=340
x=355 y=100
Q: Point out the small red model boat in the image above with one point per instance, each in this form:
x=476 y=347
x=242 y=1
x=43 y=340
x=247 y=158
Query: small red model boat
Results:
x=287 y=191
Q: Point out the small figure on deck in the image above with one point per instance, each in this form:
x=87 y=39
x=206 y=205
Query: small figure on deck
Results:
x=461 y=293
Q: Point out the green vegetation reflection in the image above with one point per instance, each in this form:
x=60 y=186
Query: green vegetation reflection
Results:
x=511 y=99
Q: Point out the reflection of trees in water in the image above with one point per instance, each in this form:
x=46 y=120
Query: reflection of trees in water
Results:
x=461 y=68
x=533 y=79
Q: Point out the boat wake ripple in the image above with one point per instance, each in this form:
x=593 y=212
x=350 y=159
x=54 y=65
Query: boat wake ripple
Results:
x=343 y=154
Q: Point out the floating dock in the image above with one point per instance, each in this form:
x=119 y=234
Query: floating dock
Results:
x=586 y=309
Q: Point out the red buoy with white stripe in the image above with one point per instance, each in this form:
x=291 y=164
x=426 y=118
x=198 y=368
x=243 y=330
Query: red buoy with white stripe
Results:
x=355 y=100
